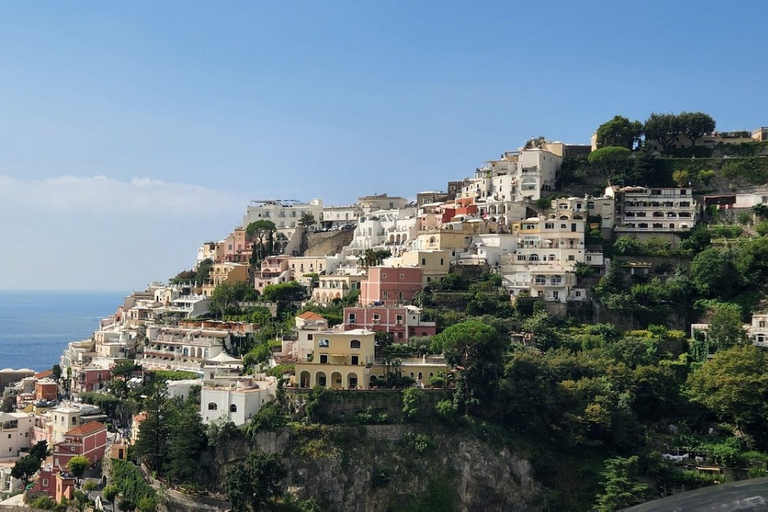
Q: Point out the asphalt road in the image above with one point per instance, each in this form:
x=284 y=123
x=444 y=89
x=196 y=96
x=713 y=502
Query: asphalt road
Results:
x=742 y=495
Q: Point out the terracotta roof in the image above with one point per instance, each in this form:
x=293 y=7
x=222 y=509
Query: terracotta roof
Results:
x=87 y=429
x=44 y=374
x=309 y=315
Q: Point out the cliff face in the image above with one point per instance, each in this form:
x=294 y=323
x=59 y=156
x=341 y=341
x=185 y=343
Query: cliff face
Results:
x=389 y=467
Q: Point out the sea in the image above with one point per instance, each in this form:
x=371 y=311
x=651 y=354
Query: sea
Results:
x=36 y=326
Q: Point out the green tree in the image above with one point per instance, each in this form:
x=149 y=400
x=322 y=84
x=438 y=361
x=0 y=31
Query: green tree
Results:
x=714 y=272
x=374 y=257
x=662 y=128
x=226 y=296
x=734 y=384
x=475 y=349
x=262 y=234
x=77 y=465
x=25 y=468
x=608 y=159
x=203 y=271
x=187 y=438
x=694 y=125
x=412 y=402
x=121 y=374
x=253 y=485
x=725 y=329
x=619 y=131
x=40 y=450
x=152 y=443
x=307 y=220
x=622 y=486
x=285 y=292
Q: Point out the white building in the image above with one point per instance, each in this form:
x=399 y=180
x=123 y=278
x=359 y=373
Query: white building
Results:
x=390 y=229
x=334 y=216
x=15 y=432
x=285 y=213
x=236 y=399
x=656 y=210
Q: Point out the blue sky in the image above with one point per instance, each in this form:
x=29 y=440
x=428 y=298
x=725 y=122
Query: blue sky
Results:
x=131 y=132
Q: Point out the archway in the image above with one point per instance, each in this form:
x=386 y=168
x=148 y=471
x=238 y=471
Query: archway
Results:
x=336 y=382
x=352 y=382
x=304 y=379
x=321 y=379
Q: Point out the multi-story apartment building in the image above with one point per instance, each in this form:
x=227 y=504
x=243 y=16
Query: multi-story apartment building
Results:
x=516 y=176
x=336 y=216
x=340 y=359
x=285 y=213
x=403 y=322
x=390 y=285
x=237 y=248
x=385 y=228
x=207 y=251
x=274 y=270
x=336 y=286
x=88 y=440
x=758 y=329
x=435 y=265
x=374 y=203
x=225 y=273
x=303 y=265
x=655 y=212
x=15 y=431
x=185 y=348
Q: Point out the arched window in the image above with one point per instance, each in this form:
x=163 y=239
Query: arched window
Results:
x=212 y=406
x=541 y=280
x=534 y=257
x=354 y=344
x=233 y=408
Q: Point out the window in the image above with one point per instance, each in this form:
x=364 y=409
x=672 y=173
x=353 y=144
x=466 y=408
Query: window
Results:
x=352 y=318
x=571 y=257
x=354 y=344
x=309 y=337
x=323 y=358
x=521 y=257
x=549 y=225
x=355 y=359
x=423 y=261
x=323 y=343
x=212 y=406
x=541 y=280
x=233 y=408
x=534 y=257
x=383 y=275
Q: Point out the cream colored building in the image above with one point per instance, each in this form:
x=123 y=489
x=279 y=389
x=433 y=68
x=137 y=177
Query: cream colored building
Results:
x=303 y=265
x=340 y=360
x=374 y=203
x=225 y=273
x=336 y=286
x=285 y=213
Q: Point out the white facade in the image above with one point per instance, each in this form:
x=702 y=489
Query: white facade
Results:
x=8 y=484
x=15 y=432
x=516 y=176
x=340 y=215
x=656 y=210
x=758 y=329
x=385 y=228
x=285 y=213
x=236 y=399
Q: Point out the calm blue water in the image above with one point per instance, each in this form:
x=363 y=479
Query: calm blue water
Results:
x=35 y=326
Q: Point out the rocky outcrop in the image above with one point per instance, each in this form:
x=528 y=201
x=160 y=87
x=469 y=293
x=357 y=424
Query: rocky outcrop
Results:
x=391 y=467
x=323 y=243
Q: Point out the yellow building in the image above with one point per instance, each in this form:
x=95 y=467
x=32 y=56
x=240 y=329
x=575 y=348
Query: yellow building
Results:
x=435 y=265
x=225 y=272
x=336 y=286
x=340 y=360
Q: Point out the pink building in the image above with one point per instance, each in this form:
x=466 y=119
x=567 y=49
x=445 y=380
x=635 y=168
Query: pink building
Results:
x=89 y=379
x=274 y=270
x=54 y=482
x=236 y=248
x=89 y=440
x=390 y=286
x=403 y=322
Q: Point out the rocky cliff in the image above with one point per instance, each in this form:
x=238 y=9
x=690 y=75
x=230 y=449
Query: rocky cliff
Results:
x=388 y=467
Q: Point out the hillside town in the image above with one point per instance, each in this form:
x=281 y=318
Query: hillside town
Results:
x=354 y=296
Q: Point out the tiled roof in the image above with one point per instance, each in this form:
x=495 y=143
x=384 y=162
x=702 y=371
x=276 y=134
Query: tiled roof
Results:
x=87 y=429
x=43 y=374
x=309 y=315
